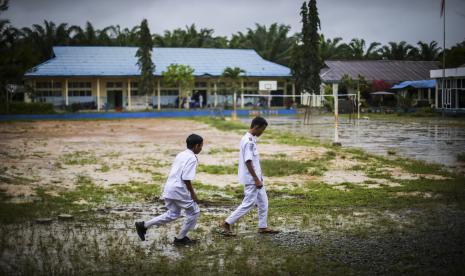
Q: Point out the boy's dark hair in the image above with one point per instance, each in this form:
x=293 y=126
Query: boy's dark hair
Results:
x=193 y=140
x=259 y=122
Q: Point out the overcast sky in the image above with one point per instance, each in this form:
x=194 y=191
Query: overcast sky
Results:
x=373 y=20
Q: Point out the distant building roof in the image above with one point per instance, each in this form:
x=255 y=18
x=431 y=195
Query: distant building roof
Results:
x=388 y=70
x=416 y=84
x=121 y=61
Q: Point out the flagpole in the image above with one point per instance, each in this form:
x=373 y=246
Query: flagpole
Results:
x=443 y=55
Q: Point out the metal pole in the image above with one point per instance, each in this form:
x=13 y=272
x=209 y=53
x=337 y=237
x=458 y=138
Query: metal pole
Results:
x=443 y=57
x=358 y=99
x=7 y=102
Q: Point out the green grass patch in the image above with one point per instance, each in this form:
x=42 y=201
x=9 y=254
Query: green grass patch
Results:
x=79 y=158
x=222 y=150
x=217 y=169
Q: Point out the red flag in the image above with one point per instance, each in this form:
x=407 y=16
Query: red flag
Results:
x=443 y=5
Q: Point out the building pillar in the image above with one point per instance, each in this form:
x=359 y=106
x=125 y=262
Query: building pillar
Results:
x=456 y=94
x=293 y=91
x=436 y=93
x=27 y=96
x=158 y=95
x=98 y=94
x=129 y=95
x=242 y=93
x=429 y=95
x=66 y=92
x=215 y=88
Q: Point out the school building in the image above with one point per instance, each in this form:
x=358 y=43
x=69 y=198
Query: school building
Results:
x=107 y=77
x=405 y=77
x=451 y=86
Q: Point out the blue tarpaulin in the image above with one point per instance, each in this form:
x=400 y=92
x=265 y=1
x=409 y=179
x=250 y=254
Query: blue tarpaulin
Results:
x=415 y=84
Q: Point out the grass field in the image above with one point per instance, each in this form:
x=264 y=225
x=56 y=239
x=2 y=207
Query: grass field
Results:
x=341 y=211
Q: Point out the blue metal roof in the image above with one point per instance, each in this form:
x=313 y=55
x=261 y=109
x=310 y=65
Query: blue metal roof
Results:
x=121 y=61
x=416 y=84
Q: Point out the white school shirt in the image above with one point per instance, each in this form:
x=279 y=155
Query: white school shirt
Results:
x=249 y=151
x=183 y=168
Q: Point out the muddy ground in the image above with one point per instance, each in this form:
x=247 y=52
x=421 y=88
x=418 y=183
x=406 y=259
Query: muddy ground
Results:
x=340 y=211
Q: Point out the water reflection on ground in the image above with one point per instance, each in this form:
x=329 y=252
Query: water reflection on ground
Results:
x=433 y=141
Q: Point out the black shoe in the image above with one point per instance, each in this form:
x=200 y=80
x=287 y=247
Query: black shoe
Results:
x=184 y=241
x=141 y=230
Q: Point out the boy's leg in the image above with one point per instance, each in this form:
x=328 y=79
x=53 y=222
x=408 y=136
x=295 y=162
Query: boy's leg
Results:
x=250 y=197
x=262 y=203
x=174 y=211
x=192 y=214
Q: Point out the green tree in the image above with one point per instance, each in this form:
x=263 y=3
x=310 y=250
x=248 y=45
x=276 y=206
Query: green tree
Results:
x=300 y=53
x=272 y=43
x=398 y=51
x=428 y=51
x=332 y=48
x=232 y=76
x=312 y=43
x=145 y=63
x=180 y=76
x=190 y=37
x=357 y=50
x=455 y=56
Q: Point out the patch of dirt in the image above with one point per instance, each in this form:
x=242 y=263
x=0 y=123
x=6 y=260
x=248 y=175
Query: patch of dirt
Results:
x=398 y=173
x=418 y=194
x=339 y=176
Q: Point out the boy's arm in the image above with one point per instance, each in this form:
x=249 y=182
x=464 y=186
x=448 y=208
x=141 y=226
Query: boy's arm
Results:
x=258 y=182
x=191 y=190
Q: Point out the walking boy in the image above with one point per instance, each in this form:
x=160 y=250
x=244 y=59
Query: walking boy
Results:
x=179 y=193
x=250 y=174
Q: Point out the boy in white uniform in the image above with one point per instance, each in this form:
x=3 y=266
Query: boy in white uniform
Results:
x=179 y=193
x=250 y=174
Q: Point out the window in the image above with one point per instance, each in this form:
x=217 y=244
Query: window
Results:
x=169 y=92
x=135 y=89
x=79 y=89
x=48 y=89
x=114 y=85
x=251 y=84
x=200 y=84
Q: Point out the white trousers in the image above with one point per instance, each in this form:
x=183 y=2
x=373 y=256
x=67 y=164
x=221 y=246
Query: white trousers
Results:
x=252 y=196
x=175 y=207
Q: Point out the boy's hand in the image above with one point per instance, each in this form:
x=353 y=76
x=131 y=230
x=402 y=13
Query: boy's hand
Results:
x=258 y=183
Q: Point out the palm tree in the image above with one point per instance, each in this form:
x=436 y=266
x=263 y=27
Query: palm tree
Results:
x=332 y=48
x=126 y=37
x=233 y=77
x=428 y=51
x=107 y=35
x=43 y=38
x=271 y=43
x=357 y=49
x=373 y=52
x=87 y=36
x=398 y=51
x=190 y=37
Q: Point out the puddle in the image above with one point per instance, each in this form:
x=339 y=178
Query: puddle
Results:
x=433 y=142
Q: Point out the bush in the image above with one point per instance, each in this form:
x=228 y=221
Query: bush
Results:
x=28 y=108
